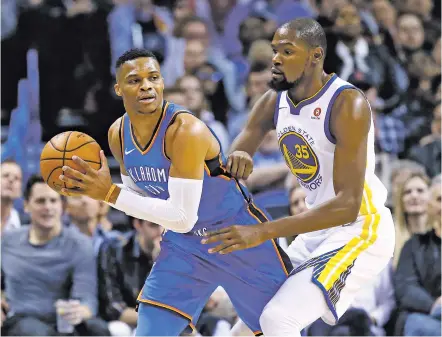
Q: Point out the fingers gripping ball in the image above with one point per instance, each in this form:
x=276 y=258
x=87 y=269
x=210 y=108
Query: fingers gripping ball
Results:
x=59 y=151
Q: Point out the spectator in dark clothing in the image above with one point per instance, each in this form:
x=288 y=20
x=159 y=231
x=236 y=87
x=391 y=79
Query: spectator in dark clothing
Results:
x=428 y=152
x=352 y=56
x=122 y=271
x=43 y=263
x=423 y=9
x=417 y=278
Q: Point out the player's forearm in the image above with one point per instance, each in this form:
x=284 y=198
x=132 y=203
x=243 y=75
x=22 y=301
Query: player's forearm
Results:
x=129 y=316
x=336 y=212
x=246 y=141
x=179 y=213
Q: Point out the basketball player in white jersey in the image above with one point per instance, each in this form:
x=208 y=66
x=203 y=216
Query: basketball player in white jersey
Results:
x=325 y=132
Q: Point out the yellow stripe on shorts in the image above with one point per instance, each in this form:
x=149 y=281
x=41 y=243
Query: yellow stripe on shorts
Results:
x=345 y=257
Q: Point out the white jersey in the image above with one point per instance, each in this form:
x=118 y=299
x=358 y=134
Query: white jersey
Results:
x=308 y=146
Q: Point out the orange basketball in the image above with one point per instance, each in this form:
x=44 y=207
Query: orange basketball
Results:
x=58 y=152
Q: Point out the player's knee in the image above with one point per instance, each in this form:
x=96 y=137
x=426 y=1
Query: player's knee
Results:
x=275 y=320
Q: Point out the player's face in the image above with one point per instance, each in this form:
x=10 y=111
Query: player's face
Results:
x=44 y=207
x=11 y=181
x=415 y=196
x=141 y=85
x=289 y=62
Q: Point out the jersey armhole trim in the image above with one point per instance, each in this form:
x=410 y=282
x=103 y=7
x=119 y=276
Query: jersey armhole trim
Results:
x=172 y=120
x=276 y=113
x=327 y=128
x=121 y=135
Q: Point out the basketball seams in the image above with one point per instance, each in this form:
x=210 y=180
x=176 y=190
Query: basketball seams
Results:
x=55 y=155
x=61 y=158
x=49 y=176
x=64 y=152
x=55 y=148
x=80 y=146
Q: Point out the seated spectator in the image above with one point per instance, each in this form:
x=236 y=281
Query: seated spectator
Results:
x=256 y=85
x=218 y=315
x=43 y=263
x=297 y=205
x=86 y=215
x=260 y=52
x=423 y=9
x=197 y=104
x=410 y=210
x=250 y=30
x=11 y=190
x=368 y=313
x=353 y=56
x=137 y=24
x=175 y=95
x=399 y=172
x=417 y=277
x=194 y=28
x=428 y=152
x=214 y=90
x=270 y=169
x=122 y=270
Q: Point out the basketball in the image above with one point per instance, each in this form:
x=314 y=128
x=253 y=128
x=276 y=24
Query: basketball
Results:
x=58 y=152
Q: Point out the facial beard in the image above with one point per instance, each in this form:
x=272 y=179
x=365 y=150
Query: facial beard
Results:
x=285 y=85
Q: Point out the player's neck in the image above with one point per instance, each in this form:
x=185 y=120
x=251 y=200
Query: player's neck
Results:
x=143 y=125
x=308 y=87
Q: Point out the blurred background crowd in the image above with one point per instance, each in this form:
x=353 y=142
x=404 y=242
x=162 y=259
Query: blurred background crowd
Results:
x=58 y=73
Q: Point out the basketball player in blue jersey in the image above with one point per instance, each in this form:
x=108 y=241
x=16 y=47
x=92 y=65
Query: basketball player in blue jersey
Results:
x=173 y=174
x=325 y=133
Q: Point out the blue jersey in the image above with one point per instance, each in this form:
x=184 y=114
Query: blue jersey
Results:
x=148 y=166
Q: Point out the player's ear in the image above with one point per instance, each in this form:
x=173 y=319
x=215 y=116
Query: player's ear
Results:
x=317 y=55
x=117 y=89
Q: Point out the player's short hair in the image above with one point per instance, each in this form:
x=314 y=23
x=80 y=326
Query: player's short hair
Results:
x=33 y=180
x=308 y=30
x=134 y=54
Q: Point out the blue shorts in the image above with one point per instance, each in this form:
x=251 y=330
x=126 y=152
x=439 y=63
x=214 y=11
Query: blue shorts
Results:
x=185 y=274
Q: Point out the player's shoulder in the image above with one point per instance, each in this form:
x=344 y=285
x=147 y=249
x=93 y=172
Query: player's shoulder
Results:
x=268 y=100
x=114 y=138
x=115 y=127
x=187 y=125
x=351 y=103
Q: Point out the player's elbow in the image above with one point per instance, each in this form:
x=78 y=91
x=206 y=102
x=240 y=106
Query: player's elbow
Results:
x=185 y=223
x=352 y=206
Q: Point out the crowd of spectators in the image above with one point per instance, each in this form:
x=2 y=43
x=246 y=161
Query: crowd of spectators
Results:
x=215 y=58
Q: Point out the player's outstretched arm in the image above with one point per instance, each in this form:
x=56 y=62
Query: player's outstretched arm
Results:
x=350 y=123
x=239 y=162
x=187 y=143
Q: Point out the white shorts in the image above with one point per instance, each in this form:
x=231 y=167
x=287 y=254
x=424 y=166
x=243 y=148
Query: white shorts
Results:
x=345 y=258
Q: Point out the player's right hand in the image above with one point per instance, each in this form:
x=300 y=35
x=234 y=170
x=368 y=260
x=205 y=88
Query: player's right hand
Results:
x=240 y=164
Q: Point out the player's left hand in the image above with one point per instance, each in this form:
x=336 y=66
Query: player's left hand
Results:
x=234 y=238
x=93 y=183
